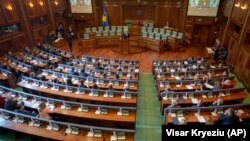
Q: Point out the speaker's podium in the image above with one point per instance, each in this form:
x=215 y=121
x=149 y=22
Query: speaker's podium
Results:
x=124 y=48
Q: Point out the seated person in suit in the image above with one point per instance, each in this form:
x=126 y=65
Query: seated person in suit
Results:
x=21 y=109
x=226 y=84
x=229 y=118
x=10 y=103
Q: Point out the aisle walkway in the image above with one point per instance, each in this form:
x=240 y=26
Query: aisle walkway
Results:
x=148 y=116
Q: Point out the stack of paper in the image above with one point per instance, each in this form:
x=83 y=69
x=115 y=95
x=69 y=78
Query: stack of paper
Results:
x=201 y=119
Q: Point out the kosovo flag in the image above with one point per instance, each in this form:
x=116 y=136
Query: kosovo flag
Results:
x=105 y=21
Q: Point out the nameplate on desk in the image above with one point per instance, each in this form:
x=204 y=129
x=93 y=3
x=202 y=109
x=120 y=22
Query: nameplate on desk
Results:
x=214 y=114
x=203 y=96
x=90 y=134
x=113 y=138
x=34 y=124
x=189 y=87
x=201 y=119
x=80 y=109
x=194 y=100
x=55 y=89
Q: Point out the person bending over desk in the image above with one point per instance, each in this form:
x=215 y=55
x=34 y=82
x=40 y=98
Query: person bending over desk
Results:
x=44 y=112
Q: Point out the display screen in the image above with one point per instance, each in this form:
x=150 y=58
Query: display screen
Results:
x=207 y=8
x=81 y=6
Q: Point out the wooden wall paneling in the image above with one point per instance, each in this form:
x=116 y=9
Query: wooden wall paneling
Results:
x=232 y=43
x=41 y=32
x=148 y=12
x=163 y=15
x=32 y=8
x=2 y=16
x=228 y=7
x=42 y=6
x=95 y=8
x=10 y=15
x=13 y=44
x=115 y=14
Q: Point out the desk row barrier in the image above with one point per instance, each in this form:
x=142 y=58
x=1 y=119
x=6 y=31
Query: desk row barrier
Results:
x=130 y=69
x=196 y=81
x=69 y=128
x=32 y=57
x=109 y=74
x=190 y=71
x=33 y=101
x=91 y=58
x=89 y=80
x=77 y=90
x=125 y=68
x=60 y=52
x=190 y=76
x=51 y=55
x=33 y=61
x=187 y=64
x=200 y=112
x=186 y=68
x=102 y=62
x=205 y=94
x=192 y=87
x=176 y=61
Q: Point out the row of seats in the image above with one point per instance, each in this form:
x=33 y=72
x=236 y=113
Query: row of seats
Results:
x=159 y=36
x=106 y=33
x=107 y=28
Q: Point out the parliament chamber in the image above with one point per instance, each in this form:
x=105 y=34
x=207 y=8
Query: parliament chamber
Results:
x=110 y=70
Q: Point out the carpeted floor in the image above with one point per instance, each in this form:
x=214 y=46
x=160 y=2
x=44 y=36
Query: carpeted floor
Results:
x=148 y=116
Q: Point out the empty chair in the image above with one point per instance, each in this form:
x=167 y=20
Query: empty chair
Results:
x=151 y=25
x=149 y=29
x=144 y=34
x=105 y=33
x=156 y=30
x=168 y=32
x=106 y=28
x=158 y=36
x=174 y=34
x=100 y=29
x=86 y=36
x=98 y=33
x=93 y=29
x=118 y=32
x=151 y=35
x=164 y=37
x=113 y=28
x=112 y=33
x=119 y=28
x=87 y=30
x=180 y=35
x=162 y=31
x=143 y=29
x=125 y=28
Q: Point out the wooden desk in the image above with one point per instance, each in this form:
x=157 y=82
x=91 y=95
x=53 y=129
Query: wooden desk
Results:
x=111 y=116
x=87 y=43
x=183 y=87
x=236 y=96
x=60 y=42
x=28 y=59
x=18 y=68
x=191 y=118
x=55 y=135
x=116 y=99
x=172 y=43
x=201 y=76
x=108 y=41
x=152 y=44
